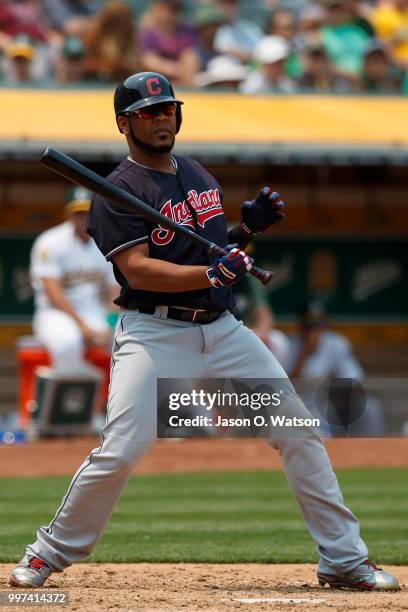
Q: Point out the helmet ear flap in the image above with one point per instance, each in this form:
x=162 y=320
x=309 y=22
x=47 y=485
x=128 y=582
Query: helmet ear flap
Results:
x=179 y=118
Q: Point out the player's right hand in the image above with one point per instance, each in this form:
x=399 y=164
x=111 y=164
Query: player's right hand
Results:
x=103 y=338
x=229 y=268
x=86 y=332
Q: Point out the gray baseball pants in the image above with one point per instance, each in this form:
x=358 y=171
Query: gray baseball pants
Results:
x=150 y=346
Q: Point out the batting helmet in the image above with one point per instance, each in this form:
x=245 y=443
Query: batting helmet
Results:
x=145 y=89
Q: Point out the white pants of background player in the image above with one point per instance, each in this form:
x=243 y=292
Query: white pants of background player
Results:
x=147 y=347
x=61 y=336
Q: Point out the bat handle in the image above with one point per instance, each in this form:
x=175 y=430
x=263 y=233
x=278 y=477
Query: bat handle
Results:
x=265 y=276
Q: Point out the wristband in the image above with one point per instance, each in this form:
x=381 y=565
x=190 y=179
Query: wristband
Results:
x=247 y=230
x=213 y=278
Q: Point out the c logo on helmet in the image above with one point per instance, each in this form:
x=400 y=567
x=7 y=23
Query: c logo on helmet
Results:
x=153 y=86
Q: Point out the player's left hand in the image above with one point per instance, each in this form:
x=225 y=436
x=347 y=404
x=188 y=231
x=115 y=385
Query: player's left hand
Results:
x=257 y=215
x=229 y=268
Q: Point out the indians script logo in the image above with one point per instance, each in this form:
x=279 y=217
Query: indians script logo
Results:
x=207 y=204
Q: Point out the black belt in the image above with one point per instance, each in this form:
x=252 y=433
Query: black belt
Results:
x=194 y=316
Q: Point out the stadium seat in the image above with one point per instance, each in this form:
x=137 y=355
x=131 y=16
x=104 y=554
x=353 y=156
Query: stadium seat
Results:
x=31 y=354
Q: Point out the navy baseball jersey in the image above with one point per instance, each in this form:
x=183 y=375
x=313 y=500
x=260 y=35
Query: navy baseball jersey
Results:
x=192 y=198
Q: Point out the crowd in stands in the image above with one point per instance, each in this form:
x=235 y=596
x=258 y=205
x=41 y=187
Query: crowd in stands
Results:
x=287 y=46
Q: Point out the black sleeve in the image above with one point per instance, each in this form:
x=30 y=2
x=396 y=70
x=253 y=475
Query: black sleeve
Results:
x=237 y=234
x=112 y=227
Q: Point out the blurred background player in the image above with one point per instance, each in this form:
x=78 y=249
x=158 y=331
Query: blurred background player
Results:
x=317 y=355
x=74 y=287
x=317 y=352
x=253 y=308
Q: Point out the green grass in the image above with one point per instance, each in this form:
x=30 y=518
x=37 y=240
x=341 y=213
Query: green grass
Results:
x=215 y=517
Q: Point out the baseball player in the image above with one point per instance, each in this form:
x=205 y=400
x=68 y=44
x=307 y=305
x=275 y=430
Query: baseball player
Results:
x=175 y=323
x=252 y=307
x=74 y=286
x=316 y=354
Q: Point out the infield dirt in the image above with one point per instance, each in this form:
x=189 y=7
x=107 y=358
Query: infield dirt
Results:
x=63 y=456
x=190 y=587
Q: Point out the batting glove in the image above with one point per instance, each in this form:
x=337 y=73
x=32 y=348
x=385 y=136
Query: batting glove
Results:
x=257 y=215
x=229 y=268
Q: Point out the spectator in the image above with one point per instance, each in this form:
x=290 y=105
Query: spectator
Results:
x=167 y=44
x=73 y=286
x=380 y=74
x=70 y=65
x=25 y=18
x=19 y=67
x=69 y=17
x=390 y=22
x=237 y=37
x=20 y=53
x=405 y=85
x=293 y=5
x=270 y=53
x=318 y=75
x=282 y=22
x=224 y=72
x=359 y=15
x=110 y=42
x=310 y=21
x=317 y=355
x=345 y=43
x=208 y=19
x=22 y=18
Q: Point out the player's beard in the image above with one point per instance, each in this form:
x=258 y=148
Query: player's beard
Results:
x=158 y=149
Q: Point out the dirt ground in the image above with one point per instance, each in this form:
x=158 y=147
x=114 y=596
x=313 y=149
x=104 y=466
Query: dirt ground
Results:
x=63 y=456
x=175 y=587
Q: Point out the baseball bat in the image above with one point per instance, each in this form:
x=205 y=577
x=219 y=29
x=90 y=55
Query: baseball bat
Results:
x=74 y=171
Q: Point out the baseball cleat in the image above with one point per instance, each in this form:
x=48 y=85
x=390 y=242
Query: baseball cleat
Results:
x=365 y=577
x=30 y=572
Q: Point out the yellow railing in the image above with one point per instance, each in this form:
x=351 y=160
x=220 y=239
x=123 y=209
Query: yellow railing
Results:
x=87 y=116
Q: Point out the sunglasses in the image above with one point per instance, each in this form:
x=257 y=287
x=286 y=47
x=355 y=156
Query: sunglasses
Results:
x=150 y=112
